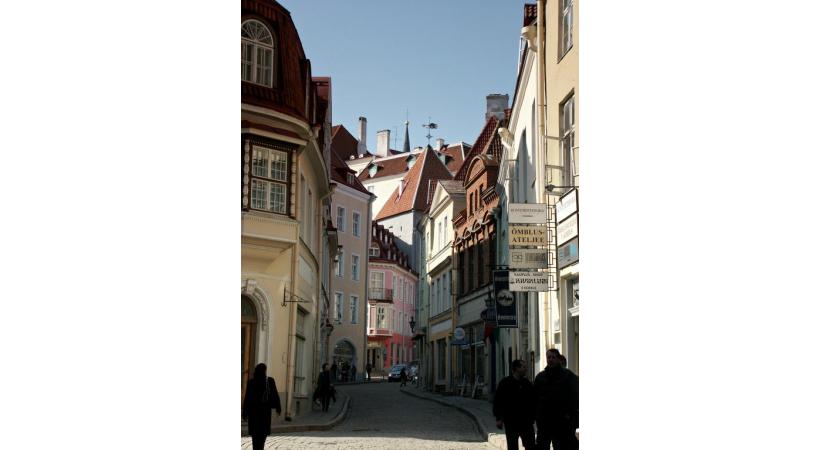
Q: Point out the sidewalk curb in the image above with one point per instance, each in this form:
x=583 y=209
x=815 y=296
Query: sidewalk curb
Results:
x=318 y=426
x=469 y=413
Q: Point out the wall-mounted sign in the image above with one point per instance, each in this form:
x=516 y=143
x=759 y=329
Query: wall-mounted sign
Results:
x=506 y=312
x=567 y=205
x=527 y=213
x=527 y=235
x=529 y=258
x=530 y=281
x=567 y=229
x=568 y=253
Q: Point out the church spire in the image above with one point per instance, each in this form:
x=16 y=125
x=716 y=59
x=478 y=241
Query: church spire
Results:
x=406 y=137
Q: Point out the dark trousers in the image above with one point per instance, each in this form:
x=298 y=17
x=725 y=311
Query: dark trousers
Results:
x=325 y=402
x=559 y=432
x=522 y=429
x=258 y=441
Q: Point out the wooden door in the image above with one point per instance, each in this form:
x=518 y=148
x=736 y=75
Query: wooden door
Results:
x=248 y=338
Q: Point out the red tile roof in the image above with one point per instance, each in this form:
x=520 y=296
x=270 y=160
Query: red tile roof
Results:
x=342 y=143
x=414 y=195
x=456 y=154
x=388 y=166
x=530 y=13
x=382 y=238
x=339 y=172
x=487 y=133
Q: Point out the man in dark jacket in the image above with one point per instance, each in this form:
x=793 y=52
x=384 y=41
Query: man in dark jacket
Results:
x=514 y=407
x=324 y=387
x=557 y=411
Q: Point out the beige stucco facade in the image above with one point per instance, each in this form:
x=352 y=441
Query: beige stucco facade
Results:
x=350 y=321
x=281 y=273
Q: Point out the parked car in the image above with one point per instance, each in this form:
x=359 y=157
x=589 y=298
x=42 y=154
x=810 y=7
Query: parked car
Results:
x=395 y=372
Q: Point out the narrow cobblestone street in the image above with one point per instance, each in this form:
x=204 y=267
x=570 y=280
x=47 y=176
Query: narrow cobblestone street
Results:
x=382 y=417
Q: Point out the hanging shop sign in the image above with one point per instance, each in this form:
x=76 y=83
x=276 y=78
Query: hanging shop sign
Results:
x=567 y=205
x=527 y=235
x=505 y=309
x=568 y=253
x=459 y=337
x=530 y=281
x=527 y=213
x=567 y=229
x=529 y=258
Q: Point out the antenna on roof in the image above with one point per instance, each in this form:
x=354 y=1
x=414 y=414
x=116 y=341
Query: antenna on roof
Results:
x=430 y=126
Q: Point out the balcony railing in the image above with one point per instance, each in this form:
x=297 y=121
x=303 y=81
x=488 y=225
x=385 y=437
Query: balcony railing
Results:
x=381 y=295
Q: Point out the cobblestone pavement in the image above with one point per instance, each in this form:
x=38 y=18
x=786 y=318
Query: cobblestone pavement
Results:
x=382 y=417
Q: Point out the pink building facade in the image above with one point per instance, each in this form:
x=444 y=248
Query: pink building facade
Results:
x=391 y=302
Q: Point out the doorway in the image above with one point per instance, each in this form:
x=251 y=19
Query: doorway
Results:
x=249 y=322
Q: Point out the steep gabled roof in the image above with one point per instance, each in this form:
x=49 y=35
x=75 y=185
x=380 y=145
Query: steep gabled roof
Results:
x=484 y=138
x=385 y=241
x=342 y=143
x=339 y=172
x=414 y=193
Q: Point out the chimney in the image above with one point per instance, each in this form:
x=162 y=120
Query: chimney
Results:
x=496 y=104
x=383 y=143
x=439 y=143
x=362 y=149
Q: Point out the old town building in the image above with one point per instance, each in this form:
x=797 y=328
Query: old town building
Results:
x=474 y=248
x=285 y=195
x=391 y=302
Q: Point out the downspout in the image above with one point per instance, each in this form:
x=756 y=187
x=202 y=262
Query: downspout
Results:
x=541 y=77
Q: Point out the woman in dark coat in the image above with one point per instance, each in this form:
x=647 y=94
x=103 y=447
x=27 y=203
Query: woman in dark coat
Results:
x=323 y=387
x=260 y=398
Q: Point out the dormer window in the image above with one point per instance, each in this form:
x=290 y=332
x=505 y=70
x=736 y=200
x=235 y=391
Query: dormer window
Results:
x=374 y=251
x=258 y=47
x=350 y=178
x=372 y=170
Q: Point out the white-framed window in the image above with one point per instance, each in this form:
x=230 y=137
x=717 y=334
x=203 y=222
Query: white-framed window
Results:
x=354 y=309
x=356 y=223
x=568 y=141
x=432 y=234
x=340 y=218
x=354 y=267
x=340 y=305
x=433 y=300
x=269 y=178
x=446 y=229
x=566 y=26
x=374 y=251
x=370 y=189
x=258 y=57
x=340 y=265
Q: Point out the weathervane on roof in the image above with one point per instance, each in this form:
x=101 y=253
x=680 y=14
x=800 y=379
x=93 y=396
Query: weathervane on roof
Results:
x=430 y=126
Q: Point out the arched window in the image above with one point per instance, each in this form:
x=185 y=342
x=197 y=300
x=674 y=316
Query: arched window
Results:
x=258 y=59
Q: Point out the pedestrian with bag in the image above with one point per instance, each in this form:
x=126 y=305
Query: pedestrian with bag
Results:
x=324 y=387
x=557 y=410
x=514 y=407
x=261 y=397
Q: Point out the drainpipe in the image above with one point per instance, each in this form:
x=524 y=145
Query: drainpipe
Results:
x=541 y=76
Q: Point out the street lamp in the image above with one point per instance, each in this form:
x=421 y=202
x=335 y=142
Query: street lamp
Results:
x=412 y=325
x=552 y=187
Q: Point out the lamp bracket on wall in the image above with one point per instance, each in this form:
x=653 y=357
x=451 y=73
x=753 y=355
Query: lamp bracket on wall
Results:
x=290 y=297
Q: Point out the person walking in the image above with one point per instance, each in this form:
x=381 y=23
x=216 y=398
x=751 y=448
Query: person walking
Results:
x=403 y=377
x=353 y=373
x=557 y=410
x=368 y=368
x=514 y=407
x=324 y=387
x=261 y=397
x=333 y=371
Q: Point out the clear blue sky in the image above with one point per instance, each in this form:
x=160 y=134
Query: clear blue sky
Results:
x=436 y=58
